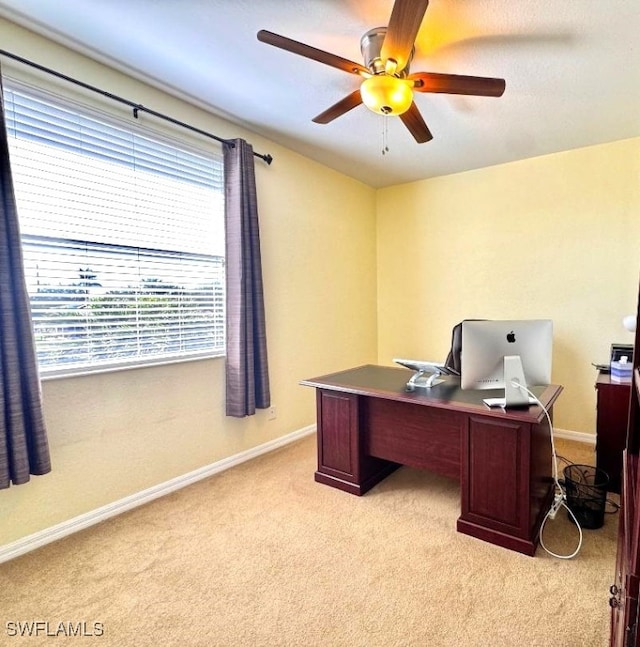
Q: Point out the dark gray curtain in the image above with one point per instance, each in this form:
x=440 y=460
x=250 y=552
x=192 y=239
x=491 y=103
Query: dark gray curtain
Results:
x=23 y=440
x=246 y=367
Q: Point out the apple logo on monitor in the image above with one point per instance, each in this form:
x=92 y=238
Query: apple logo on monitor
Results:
x=511 y=337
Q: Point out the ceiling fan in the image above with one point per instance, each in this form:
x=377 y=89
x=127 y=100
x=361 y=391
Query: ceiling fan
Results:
x=388 y=85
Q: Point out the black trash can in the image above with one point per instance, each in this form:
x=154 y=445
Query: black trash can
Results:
x=586 y=489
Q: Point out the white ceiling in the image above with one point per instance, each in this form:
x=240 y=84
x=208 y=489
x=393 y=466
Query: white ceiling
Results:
x=572 y=71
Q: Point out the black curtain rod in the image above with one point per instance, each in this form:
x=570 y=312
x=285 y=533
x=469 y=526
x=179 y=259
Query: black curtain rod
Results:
x=137 y=107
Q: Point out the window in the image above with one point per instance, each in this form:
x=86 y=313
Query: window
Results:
x=123 y=238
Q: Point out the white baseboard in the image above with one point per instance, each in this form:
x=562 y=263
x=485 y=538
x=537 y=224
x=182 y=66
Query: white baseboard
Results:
x=49 y=535
x=577 y=436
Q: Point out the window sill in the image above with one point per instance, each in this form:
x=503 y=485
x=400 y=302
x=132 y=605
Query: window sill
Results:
x=113 y=368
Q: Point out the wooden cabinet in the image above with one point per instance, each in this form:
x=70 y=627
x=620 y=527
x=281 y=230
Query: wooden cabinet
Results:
x=624 y=590
x=611 y=427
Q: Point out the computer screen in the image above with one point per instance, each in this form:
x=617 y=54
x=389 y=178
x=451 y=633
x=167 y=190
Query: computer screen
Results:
x=486 y=343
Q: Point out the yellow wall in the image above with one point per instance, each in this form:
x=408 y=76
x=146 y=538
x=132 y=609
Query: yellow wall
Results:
x=115 y=434
x=551 y=237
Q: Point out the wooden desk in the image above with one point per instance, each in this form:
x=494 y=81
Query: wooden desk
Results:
x=368 y=426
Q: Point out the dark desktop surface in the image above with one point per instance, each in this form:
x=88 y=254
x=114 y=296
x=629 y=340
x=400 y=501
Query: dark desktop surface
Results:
x=390 y=382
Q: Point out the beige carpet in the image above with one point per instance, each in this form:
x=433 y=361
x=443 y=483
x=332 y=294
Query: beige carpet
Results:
x=261 y=555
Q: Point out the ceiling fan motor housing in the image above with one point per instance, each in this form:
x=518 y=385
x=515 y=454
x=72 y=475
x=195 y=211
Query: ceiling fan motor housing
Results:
x=371 y=46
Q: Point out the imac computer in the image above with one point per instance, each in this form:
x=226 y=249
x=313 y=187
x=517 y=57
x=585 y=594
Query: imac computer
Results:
x=506 y=355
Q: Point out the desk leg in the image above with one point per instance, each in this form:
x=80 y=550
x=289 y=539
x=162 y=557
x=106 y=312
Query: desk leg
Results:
x=506 y=482
x=342 y=462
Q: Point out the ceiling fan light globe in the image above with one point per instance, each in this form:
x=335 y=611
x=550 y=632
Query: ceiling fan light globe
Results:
x=386 y=95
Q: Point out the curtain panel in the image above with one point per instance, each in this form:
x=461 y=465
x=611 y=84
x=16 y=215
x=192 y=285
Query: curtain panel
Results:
x=24 y=448
x=247 y=374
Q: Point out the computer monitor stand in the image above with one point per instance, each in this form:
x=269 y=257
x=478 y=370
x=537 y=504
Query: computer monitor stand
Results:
x=418 y=381
x=514 y=396
x=514 y=375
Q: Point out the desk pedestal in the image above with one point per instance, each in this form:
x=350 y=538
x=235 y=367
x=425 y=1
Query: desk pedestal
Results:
x=506 y=482
x=342 y=460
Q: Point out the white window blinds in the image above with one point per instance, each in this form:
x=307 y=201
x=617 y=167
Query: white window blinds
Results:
x=123 y=238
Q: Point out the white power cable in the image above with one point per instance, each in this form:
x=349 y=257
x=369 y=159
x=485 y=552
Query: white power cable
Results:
x=559 y=498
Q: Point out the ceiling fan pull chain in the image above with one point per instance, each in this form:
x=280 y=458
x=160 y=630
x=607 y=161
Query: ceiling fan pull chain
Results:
x=385 y=135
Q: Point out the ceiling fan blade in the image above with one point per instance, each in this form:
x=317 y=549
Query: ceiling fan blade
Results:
x=405 y=21
x=338 y=109
x=481 y=86
x=311 y=52
x=414 y=122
